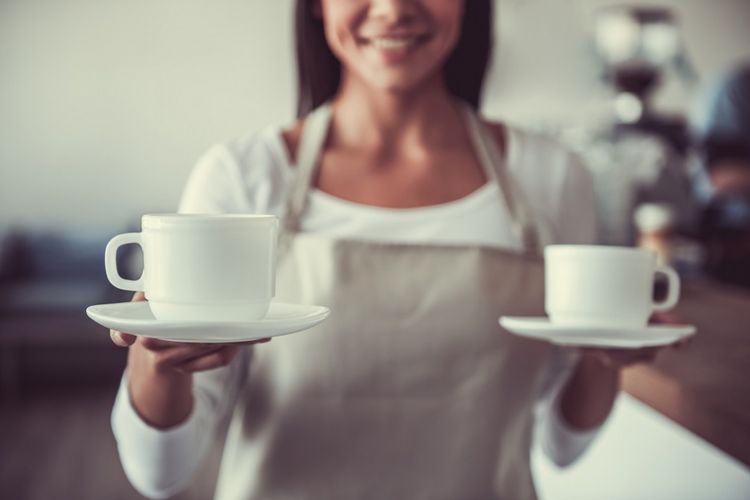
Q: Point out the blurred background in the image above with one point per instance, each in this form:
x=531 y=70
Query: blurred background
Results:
x=105 y=106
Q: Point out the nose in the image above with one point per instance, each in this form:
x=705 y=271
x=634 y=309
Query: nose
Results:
x=392 y=11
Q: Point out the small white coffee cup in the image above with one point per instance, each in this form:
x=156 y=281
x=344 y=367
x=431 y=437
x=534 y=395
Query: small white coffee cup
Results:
x=590 y=285
x=202 y=267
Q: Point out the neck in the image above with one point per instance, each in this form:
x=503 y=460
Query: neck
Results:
x=424 y=117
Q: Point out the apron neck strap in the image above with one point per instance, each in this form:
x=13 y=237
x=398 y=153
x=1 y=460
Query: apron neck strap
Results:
x=312 y=140
x=315 y=132
x=495 y=166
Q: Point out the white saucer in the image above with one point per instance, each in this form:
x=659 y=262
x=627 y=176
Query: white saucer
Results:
x=136 y=318
x=586 y=336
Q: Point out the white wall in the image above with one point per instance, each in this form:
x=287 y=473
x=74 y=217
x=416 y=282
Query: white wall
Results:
x=105 y=105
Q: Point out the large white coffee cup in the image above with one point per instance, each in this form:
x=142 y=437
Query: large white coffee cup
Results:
x=604 y=286
x=202 y=267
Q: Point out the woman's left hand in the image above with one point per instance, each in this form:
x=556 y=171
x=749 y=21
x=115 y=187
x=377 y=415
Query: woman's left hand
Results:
x=621 y=358
x=591 y=391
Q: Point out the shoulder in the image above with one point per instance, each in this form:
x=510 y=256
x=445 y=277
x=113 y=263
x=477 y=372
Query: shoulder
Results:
x=536 y=157
x=526 y=149
x=530 y=148
x=556 y=183
x=261 y=151
x=238 y=175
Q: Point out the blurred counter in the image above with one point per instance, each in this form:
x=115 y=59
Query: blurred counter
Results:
x=642 y=455
x=705 y=386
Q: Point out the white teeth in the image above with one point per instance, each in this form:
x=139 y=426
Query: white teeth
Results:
x=392 y=43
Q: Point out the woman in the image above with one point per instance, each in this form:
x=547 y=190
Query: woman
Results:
x=400 y=206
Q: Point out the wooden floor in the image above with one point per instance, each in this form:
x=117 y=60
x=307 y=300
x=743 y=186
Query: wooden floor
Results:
x=57 y=444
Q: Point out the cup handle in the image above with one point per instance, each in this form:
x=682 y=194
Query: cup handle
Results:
x=110 y=262
x=673 y=292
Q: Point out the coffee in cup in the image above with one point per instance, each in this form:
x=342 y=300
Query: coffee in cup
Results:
x=202 y=267
x=589 y=285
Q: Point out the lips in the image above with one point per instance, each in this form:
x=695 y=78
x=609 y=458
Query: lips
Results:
x=395 y=41
x=394 y=49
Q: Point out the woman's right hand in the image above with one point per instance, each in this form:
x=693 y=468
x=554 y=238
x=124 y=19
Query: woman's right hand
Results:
x=160 y=373
x=183 y=357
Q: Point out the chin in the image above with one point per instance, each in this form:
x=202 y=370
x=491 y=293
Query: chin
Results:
x=402 y=84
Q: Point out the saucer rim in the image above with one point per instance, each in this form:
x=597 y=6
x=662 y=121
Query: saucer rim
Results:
x=170 y=331
x=545 y=321
x=91 y=311
x=670 y=334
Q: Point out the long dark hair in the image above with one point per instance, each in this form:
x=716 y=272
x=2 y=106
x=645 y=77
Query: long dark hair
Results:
x=319 y=72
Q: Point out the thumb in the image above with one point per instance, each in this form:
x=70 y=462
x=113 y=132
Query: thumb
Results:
x=126 y=339
x=121 y=339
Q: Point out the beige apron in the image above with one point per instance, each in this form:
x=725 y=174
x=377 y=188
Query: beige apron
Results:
x=410 y=390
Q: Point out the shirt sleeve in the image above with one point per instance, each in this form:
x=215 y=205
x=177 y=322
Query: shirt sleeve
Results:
x=576 y=225
x=559 y=441
x=216 y=186
x=161 y=462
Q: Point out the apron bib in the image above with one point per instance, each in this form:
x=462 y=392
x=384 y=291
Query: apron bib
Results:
x=410 y=390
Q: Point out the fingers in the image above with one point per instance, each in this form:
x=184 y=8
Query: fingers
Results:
x=633 y=356
x=599 y=355
x=151 y=344
x=216 y=359
x=172 y=358
x=623 y=357
x=682 y=344
x=251 y=342
x=122 y=339
x=191 y=357
x=666 y=318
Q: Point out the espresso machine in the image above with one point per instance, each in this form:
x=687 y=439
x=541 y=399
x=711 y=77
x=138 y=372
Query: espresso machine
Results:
x=641 y=155
x=638 y=47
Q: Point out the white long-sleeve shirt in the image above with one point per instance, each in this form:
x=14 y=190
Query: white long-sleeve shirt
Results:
x=252 y=174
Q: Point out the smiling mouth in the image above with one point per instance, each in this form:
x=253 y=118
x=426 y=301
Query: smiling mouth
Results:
x=396 y=43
